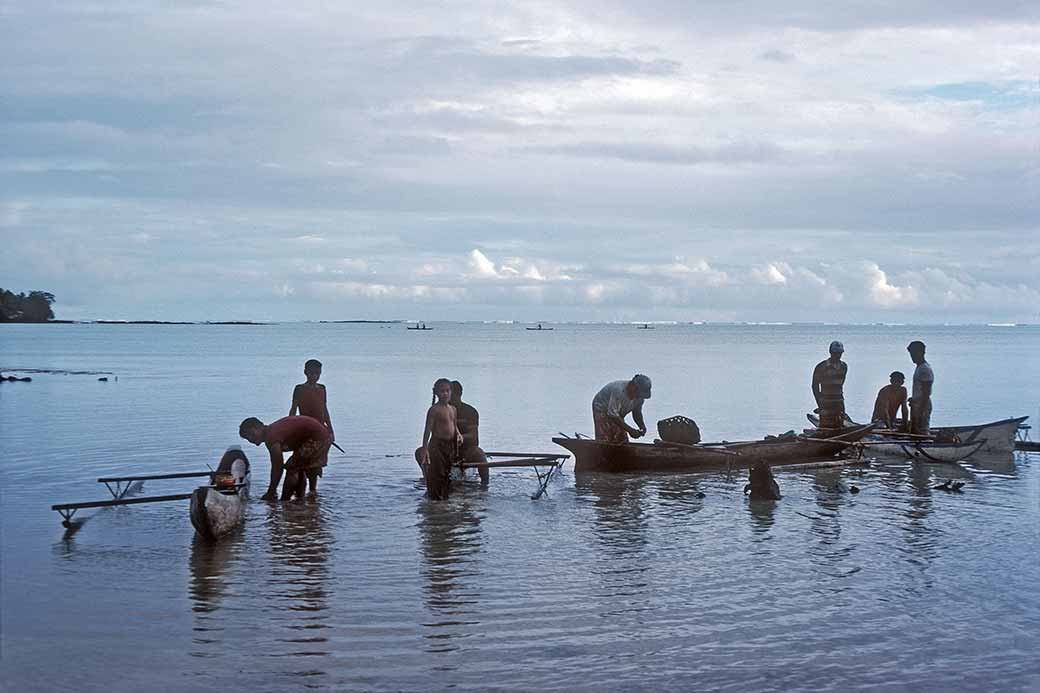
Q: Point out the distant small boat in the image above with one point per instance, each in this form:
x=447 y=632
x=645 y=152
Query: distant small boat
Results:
x=540 y=328
x=421 y=326
x=644 y=326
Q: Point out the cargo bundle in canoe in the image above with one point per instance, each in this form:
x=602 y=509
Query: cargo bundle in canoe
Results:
x=601 y=456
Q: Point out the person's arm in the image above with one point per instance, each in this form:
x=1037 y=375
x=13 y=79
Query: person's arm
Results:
x=295 y=406
x=817 y=390
x=427 y=433
x=328 y=419
x=637 y=416
x=277 y=463
x=902 y=410
x=634 y=432
x=455 y=425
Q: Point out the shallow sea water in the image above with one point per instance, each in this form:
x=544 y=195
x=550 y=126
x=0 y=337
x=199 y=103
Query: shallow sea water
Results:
x=607 y=583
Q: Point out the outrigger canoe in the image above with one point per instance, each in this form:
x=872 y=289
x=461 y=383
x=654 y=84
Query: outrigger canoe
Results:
x=218 y=508
x=600 y=456
x=997 y=436
x=215 y=509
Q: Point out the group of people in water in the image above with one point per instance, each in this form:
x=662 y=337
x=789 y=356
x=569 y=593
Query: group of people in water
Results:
x=451 y=438
x=451 y=434
x=828 y=382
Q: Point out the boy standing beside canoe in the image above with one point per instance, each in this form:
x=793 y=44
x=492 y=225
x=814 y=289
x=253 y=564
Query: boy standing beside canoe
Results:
x=307 y=438
x=310 y=399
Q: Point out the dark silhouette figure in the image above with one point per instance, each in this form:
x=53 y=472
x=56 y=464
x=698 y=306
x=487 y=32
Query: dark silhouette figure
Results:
x=828 y=381
x=468 y=420
x=761 y=484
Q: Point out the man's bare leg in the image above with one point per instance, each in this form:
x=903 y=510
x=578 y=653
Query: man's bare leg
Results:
x=312 y=482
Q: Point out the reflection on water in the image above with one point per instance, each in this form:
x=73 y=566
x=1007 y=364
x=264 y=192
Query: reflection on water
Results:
x=763 y=516
x=210 y=565
x=450 y=539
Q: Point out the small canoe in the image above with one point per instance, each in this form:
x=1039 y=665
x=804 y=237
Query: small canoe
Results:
x=219 y=507
x=941 y=452
x=601 y=456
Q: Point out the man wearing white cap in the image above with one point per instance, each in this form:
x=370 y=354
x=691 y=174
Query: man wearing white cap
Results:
x=616 y=400
x=828 y=381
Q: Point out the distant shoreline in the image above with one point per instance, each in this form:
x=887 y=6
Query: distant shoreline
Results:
x=521 y=323
x=199 y=322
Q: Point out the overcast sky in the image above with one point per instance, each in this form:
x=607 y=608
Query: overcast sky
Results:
x=611 y=160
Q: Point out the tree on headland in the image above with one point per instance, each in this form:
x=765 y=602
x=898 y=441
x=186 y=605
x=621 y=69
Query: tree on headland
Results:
x=32 y=307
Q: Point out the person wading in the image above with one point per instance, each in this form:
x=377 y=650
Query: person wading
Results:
x=440 y=443
x=921 y=395
x=309 y=441
x=616 y=400
x=468 y=420
x=310 y=398
x=828 y=381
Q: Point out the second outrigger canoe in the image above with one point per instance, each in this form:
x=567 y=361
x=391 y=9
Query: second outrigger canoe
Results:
x=600 y=456
x=998 y=436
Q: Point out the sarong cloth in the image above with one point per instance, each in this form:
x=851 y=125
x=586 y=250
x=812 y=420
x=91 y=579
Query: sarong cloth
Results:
x=438 y=471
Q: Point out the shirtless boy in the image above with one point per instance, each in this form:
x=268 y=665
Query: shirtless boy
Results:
x=310 y=399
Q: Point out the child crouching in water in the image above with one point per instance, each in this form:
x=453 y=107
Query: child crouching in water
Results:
x=441 y=440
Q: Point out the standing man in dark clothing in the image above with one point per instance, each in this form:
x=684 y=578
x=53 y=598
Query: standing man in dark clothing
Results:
x=469 y=423
x=921 y=395
x=891 y=399
x=828 y=381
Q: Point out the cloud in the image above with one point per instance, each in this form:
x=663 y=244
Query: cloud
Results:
x=595 y=159
x=734 y=153
x=480 y=265
x=885 y=294
x=775 y=55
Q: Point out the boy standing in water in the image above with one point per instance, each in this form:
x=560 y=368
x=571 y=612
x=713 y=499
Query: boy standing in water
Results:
x=441 y=441
x=310 y=399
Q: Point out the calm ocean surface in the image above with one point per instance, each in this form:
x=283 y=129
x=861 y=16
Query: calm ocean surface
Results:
x=608 y=583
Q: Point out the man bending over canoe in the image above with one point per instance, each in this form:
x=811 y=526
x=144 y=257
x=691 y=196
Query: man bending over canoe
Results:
x=616 y=400
x=307 y=438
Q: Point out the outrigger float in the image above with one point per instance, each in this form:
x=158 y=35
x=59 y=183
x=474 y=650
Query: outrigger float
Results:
x=215 y=509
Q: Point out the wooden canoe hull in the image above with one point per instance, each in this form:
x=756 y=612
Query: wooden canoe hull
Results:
x=214 y=514
x=999 y=436
x=600 y=456
x=217 y=510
